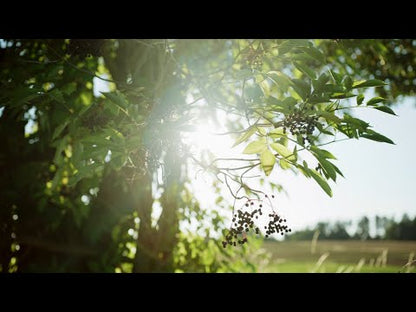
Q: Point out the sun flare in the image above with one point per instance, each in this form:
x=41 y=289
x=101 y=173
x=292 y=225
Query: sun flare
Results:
x=208 y=137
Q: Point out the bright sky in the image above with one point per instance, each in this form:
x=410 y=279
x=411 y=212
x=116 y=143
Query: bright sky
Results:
x=379 y=178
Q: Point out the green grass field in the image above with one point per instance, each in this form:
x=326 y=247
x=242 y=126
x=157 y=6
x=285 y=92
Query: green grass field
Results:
x=341 y=256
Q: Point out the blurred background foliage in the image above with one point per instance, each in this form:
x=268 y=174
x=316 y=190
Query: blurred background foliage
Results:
x=98 y=182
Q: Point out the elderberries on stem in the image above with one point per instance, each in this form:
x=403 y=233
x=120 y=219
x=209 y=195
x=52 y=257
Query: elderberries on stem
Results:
x=246 y=219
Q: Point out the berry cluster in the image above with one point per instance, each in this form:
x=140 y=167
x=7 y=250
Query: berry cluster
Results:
x=275 y=225
x=245 y=221
x=299 y=124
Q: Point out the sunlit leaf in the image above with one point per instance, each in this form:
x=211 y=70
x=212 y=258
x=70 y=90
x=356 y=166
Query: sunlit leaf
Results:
x=283 y=151
x=276 y=133
x=342 y=95
x=368 y=83
x=245 y=136
x=284 y=164
x=267 y=161
x=255 y=147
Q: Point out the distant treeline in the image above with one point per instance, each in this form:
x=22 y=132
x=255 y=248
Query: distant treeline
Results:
x=385 y=228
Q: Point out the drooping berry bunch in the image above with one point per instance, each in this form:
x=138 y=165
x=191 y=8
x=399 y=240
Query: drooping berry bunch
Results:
x=299 y=123
x=276 y=225
x=247 y=219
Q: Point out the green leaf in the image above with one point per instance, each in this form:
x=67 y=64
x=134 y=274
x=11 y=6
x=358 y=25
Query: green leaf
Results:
x=58 y=130
x=385 y=109
x=337 y=170
x=321 y=129
x=348 y=82
x=267 y=161
x=276 y=133
x=360 y=99
x=368 y=83
x=255 y=147
x=331 y=88
x=288 y=45
x=261 y=131
x=303 y=58
x=253 y=92
x=283 y=140
x=375 y=100
x=314 y=99
x=282 y=106
x=328 y=167
x=84 y=110
x=321 y=181
x=303 y=170
x=117 y=98
x=284 y=164
x=113 y=108
x=283 y=151
x=342 y=95
x=302 y=88
x=282 y=81
x=264 y=86
x=322 y=152
x=315 y=53
x=245 y=136
x=330 y=116
x=118 y=160
x=356 y=122
x=375 y=136
x=320 y=82
x=305 y=69
x=336 y=76
x=69 y=88
x=56 y=95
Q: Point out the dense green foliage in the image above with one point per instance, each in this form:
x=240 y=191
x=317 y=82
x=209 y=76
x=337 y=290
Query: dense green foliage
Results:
x=99 y=182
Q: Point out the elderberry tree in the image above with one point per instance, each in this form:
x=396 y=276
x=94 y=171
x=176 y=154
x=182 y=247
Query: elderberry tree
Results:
x=106 y=175
x=290 y=102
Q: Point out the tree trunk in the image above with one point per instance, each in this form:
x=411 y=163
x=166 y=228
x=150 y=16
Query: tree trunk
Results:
x=147 y=65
